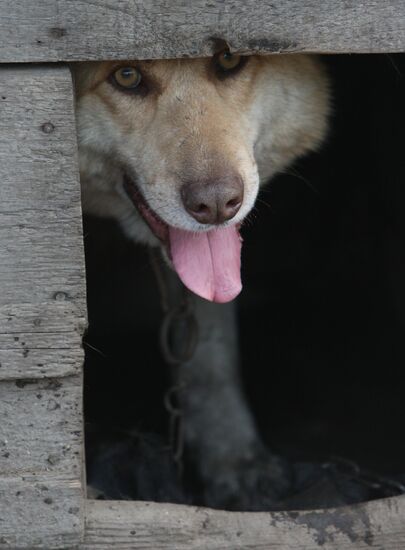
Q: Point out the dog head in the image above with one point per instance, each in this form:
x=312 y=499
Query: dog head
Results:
x=175 y=149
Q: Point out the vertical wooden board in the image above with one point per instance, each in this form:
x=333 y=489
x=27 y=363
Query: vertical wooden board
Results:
x=41 y=495
x=42 y=311
x=41 y=256
x=40 y=428
x=41 y=252
x=37 y=502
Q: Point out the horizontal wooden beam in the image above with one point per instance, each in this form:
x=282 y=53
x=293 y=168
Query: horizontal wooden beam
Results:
x=144 y=525
x=71 y=30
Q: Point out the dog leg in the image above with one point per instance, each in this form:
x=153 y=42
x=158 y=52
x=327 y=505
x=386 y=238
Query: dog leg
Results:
x=220 y=435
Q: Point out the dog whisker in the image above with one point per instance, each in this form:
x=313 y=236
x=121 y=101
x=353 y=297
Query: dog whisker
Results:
x=94 y=349
x=265 y=203
x=395 y=66
x=293 y=172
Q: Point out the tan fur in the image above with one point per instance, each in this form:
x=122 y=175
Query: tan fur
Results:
x=192 y=124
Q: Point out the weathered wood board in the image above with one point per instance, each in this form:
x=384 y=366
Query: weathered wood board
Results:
x=41 y=463
x=38 y=340
x=42 y=294
x=68 y=30
x=147 y=525
x=42 y=312
x=48 y=438
x=40 y=501
x=41 y=257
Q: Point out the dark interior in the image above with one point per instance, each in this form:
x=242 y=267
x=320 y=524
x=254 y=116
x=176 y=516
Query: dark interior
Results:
x=324 y=281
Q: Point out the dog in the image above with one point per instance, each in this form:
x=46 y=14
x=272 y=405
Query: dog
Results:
x=175 y=151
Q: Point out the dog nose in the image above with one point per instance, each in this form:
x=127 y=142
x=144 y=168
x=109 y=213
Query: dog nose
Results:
x=215 y=201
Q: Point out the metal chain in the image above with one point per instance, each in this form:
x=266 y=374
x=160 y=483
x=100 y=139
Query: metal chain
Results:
x=176 y=427
x=183 y=315
x=179 y=316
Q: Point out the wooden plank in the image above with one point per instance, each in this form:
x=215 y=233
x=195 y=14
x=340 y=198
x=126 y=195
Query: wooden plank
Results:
x=40 y=340
x=41 y=254
x=72 y=30
x=34 y=501
x=42 y=312
x=41 y=495
x=41 y=427
x=155 y=526
x=40 y=463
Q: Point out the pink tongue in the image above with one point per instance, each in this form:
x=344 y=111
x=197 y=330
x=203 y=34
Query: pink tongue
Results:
x=208 y=263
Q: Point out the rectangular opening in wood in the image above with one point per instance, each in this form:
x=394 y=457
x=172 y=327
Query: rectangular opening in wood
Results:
x=320 y=325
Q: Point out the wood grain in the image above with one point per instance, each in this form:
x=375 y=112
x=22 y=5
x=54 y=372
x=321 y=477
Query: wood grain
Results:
x=42 y=312
x=41 y=256
x=42 y=512
x=40 y=340
x=41 y=503
x=155 y=526
x=40 y=428
x=72 y=30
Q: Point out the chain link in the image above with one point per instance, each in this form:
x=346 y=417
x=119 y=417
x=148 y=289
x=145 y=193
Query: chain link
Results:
x=177 y=317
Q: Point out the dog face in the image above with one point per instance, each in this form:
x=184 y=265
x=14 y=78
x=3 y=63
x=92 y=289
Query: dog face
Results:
x=176 y=148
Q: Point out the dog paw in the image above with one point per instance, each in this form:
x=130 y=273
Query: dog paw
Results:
x=253 y=484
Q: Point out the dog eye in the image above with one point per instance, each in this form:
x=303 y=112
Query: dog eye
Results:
x=227 y=61
x=127 y=78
